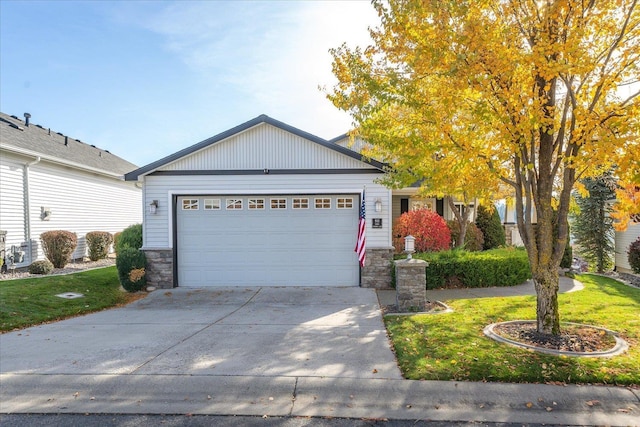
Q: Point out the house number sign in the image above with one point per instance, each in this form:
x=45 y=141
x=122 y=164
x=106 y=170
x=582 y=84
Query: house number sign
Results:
x=376 y=222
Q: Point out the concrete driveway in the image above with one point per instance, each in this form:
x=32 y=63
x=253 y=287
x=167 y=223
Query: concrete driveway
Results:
x=301 y=332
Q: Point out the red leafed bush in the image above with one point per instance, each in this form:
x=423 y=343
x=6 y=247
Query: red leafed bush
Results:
x=429 y=229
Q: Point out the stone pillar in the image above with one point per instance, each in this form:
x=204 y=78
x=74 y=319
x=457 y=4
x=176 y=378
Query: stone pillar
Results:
x=411 y=284
x=377 y=270
x=159 y=271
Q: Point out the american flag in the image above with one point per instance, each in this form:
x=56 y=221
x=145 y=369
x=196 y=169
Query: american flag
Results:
x=361 y=242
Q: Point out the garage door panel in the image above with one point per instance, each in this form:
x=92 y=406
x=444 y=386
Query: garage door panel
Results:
x=279 y=247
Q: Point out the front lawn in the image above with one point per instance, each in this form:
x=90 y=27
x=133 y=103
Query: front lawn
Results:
x=452 y=346
x=28 y=302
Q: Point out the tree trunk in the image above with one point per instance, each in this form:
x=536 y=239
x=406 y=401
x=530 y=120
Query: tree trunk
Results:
x=547 y=315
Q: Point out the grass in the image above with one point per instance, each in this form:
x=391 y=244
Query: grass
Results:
x=452 y=346
x=28 y=302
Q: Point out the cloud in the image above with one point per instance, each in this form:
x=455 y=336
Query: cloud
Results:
x=273 y=55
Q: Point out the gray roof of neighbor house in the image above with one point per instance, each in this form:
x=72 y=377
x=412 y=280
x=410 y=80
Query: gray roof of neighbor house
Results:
x=35 y=140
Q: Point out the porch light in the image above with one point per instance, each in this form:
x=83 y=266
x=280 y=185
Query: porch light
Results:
x=409 y=245
x=153 y=207
x=378 y=205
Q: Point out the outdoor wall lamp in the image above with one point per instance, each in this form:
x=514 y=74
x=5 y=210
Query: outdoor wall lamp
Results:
x=153 y=207
x=409 y=245
x=378 y=205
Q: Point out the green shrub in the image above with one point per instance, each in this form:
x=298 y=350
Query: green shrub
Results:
x=428 y=228
x=130 y=237
x=567 y=257
x=473 y=239
x=634 y=256
x=131 y=264
x=459 y=268
x=116 y=236
x=58 y=246
x=488 y=221
x=98 y=243
x=43 y=266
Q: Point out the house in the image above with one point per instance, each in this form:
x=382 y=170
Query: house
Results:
x=50 y=181
x=622 y=241
x=268 y=204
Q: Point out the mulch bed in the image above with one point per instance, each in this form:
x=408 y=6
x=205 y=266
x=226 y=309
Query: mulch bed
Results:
x=576 y=338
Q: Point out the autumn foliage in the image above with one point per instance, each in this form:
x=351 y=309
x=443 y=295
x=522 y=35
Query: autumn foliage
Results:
x=429 y=229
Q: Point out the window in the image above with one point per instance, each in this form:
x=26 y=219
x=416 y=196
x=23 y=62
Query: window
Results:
x=234 y=204
x=256 y=203
x=462 y=208
x=211 y=204
x=421 y=204
x=301 y=203
x=323 y=203
x=189 y=204
x=345 y=203
x=278 y=203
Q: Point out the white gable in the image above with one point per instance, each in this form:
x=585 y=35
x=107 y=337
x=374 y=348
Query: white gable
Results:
x=265 y=147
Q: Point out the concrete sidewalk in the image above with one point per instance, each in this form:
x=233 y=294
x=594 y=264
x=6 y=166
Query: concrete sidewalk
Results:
x=320 y=397
x=567 y=284
x=263 y=351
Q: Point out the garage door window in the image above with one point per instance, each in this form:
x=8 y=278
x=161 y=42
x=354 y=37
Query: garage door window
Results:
x=190 y=204
x=278 y=203
x=211 y=204
x=301 y=203
x=234 y=204
x=323 y=203
x=256 y=203
x=345 y=203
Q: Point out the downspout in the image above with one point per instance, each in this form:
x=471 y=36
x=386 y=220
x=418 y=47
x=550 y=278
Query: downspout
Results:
x=27 y=209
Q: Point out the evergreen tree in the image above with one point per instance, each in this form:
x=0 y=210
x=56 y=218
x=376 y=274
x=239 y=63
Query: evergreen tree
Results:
x=593 y=225
x=488 y=221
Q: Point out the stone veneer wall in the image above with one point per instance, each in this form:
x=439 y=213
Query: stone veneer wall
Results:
x=159 y=269
x=411 y=286
x=377 y=270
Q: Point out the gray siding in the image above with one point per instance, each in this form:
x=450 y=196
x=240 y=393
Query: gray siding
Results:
x=265 y=147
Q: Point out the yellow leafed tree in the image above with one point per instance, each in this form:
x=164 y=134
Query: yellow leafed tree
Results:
x=475 y=95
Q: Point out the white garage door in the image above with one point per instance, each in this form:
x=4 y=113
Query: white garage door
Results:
x=279 y=240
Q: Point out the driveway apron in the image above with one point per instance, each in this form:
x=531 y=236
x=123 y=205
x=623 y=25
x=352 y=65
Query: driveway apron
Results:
x=270 y=332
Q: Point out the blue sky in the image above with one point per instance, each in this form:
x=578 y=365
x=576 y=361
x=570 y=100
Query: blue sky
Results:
x=145 y=79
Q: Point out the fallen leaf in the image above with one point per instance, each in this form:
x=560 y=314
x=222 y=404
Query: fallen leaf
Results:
x=593 y=402
x=529 y=404
x=92 y=398
x=208 y=397
x=76 y=394
x=375 y=371
x=549 y=409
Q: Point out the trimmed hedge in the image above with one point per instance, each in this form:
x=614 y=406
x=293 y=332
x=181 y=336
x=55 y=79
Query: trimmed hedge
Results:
x=473 y=238
x=130 y=237
x=131 y=264
x=42 y=266
x=488 y=221
x=98 y=243
x=456 y=268
x=58 y=246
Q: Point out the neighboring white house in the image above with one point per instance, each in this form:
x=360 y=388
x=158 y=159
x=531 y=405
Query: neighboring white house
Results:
x=623 y=240
x=49 y=181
